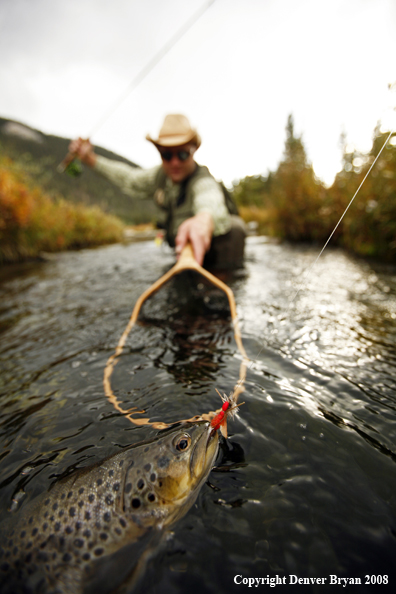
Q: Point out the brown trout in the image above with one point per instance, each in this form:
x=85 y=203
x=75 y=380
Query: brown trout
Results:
x=70 y=539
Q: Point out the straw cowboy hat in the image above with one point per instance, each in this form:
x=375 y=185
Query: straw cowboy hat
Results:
x=176 y=131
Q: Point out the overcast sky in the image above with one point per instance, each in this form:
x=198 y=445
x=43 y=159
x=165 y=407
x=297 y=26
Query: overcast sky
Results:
x=237 y=74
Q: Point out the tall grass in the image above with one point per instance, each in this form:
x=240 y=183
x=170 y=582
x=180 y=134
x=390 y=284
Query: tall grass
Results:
x=32 y=222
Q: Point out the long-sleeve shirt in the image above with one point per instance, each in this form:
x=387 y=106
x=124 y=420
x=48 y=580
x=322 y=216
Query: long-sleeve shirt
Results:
x=141 y=183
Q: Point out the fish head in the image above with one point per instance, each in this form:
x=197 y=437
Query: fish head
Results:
x=164 y=480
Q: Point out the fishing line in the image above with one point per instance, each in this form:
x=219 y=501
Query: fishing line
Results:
x=165 y=49
x=239 y=384
x=307 y=272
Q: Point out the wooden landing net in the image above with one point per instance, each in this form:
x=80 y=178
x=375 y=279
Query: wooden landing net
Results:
x=185 y=262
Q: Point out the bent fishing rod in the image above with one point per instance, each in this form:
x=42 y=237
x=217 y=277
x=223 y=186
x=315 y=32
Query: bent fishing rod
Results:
x=141 y=75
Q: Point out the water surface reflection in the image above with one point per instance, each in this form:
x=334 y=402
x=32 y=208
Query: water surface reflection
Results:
x=305 y=484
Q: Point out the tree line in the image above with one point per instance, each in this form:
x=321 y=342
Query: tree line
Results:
x=293 y=204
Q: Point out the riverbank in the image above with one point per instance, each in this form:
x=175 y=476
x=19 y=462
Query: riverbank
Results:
x=33 y=222
x=314 y=437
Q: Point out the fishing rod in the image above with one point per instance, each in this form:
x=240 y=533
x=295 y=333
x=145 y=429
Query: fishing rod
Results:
x=141 y=75
x=186 y=261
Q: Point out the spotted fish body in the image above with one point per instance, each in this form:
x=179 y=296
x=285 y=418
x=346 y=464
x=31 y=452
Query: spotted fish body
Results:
x=64 y=540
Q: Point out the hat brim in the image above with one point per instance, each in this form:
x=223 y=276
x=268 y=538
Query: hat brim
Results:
x=175 y=140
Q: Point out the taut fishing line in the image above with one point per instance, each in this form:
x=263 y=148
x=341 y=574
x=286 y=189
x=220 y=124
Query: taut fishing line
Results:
x=308 y=271
x=165 y=49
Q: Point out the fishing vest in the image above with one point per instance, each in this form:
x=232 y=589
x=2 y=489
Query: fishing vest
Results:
x=173 y=212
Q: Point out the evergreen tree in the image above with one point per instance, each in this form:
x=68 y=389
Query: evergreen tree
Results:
x=296 y=193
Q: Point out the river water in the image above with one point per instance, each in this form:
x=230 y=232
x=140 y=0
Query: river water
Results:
x=305 y=486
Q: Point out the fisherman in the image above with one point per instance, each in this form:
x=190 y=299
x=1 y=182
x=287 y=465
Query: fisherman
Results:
x=193 y=206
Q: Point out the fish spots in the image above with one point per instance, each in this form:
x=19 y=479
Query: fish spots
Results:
x=67 y=558
x=86 y=556
x=153 y=476
x=123 y=522
x=146 y=449
x=68 y=529
x=147 y=467
x=116 y=486
x=81 y=491
x=109 y=500
x=151 y=497
x=91 y=498
x=78 y=525
x=121 y=464
x=128 y=487
x=87 y=515
x=34 y=531
x=118 y=530
x=46 y=502
x=44 y=526
x=99 y=551
x=81 y=504
x=87 y=533
x=106 y=517
x=23 y=534
x=140 y=483
x=72 y=512
x=70 y=494
x=163 y=461
x=78 y=542
x=111 y=472
x=63 y=496
x=57 y=526
x=103 y=536
x=99 y=482
x=135 y=502
x=55 y=506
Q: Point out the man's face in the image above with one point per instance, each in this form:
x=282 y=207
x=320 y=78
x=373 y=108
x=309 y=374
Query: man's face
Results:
x=178 y=161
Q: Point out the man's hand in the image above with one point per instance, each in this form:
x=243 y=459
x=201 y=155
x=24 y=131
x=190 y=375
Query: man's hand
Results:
x=198 y=230
x=83 y=150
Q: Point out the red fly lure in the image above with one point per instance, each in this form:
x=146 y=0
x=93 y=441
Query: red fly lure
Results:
x=229 y=407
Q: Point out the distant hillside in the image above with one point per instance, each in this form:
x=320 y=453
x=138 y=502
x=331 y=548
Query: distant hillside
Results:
x=40 y=154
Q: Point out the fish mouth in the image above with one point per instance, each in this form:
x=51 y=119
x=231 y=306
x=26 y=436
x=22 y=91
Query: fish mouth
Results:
x=206 y=449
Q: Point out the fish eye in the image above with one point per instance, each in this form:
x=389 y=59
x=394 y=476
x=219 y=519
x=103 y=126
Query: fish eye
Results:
x=182 y=442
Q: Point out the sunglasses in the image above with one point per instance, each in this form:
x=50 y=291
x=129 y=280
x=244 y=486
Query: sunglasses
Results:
x=182 y=155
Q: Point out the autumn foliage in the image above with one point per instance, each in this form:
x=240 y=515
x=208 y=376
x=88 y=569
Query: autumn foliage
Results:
x=292 y=204
x=32 y=222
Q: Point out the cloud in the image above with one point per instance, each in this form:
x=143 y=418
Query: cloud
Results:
x=237 y=73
